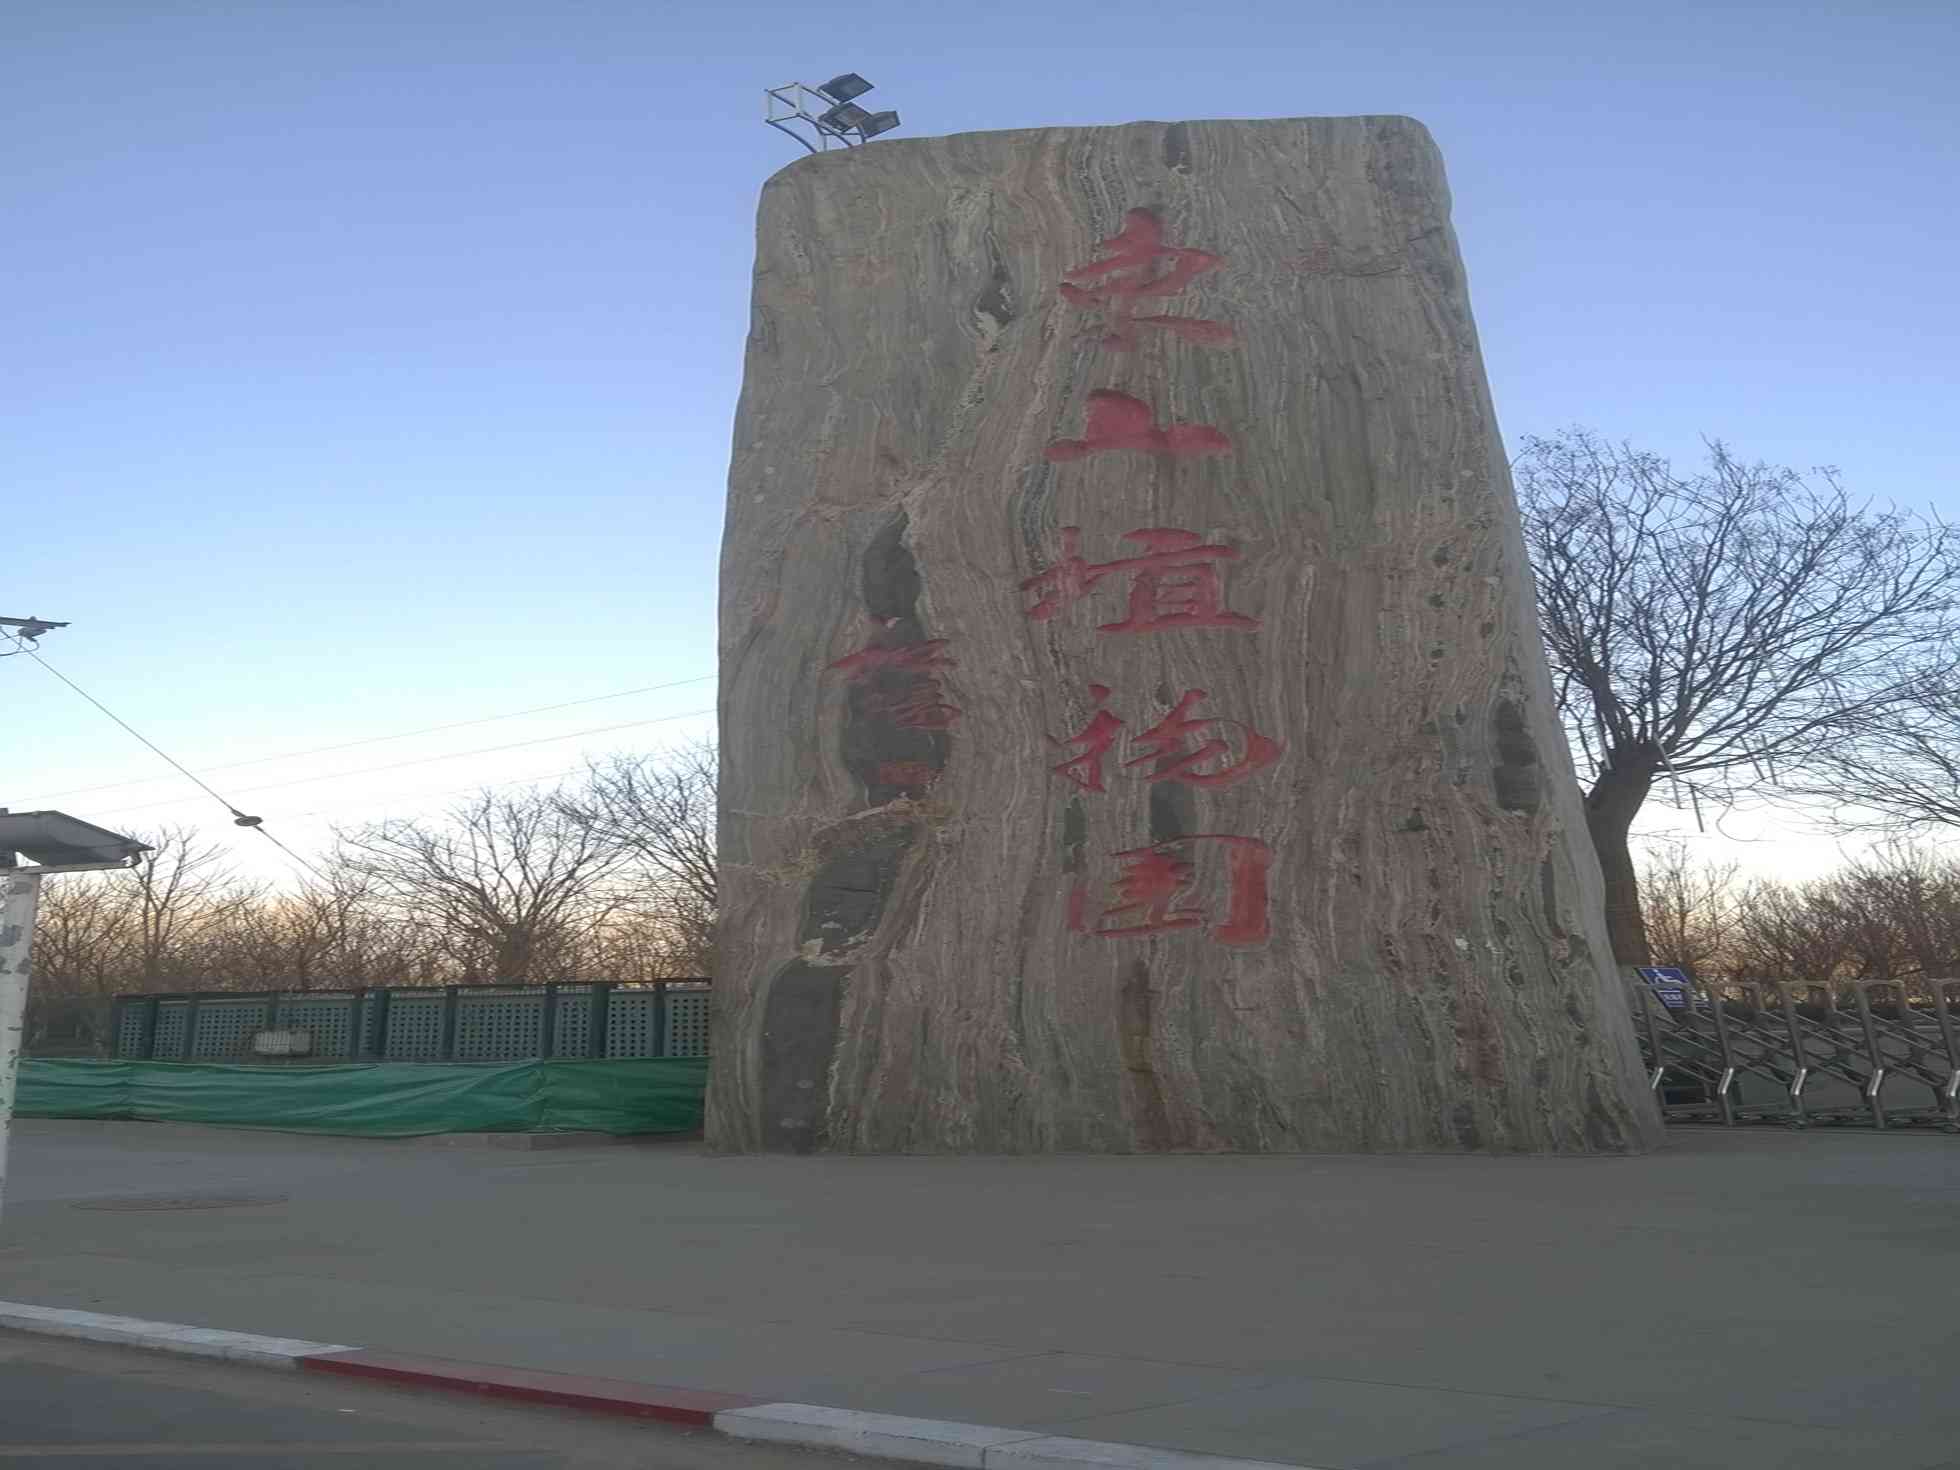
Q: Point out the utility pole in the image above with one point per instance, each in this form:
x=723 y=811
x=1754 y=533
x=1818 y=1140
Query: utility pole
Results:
x=20 y=896
x=52 y=842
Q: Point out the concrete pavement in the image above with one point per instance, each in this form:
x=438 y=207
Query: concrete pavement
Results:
x=1754 y=1298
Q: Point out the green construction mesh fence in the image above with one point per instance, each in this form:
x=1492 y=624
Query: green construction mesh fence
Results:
x=379 y=1099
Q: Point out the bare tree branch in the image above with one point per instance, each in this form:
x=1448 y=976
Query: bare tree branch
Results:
x=1896 y=767
x=509 y=881
x=1723 y=629
x=661 y=810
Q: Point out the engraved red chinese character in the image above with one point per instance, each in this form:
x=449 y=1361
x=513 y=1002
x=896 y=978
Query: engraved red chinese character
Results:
x=1204 y=750
x=1181 y=747
x=902 y=682
x=1096 y=739
x=911 y=777
x=1155 y=880
x=875 y=658
x=1147 y=890
x=920 y=707
x=1139 y=266
x=1175 y=583
x=1118 y=421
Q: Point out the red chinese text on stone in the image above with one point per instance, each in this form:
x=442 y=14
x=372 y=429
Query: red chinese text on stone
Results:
x=921 y=707
x=1118 y=421
x=903 y=682
x=1096 y=739
x=1153 y=888
x=1199 y=749
x=1204 y=750
x=875 y=658
x=1176 y=582
x=1138 y=266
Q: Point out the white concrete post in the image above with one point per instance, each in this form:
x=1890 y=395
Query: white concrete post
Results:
x=20 y=894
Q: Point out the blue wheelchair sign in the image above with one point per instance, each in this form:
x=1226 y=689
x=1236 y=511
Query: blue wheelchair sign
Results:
x=1670 y=985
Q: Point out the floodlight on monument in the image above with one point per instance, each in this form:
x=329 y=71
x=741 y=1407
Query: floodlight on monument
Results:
x=845 y=117
x=54 y=842
x=844 y=88
x=817 y=117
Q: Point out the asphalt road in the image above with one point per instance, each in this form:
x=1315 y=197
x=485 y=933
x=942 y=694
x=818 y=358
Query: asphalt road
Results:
x=80 y=1406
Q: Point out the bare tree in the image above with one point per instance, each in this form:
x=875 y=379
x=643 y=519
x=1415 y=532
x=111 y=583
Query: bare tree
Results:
x=660 y=809
x=100 y=934
x=1793 y=933
x=1852 y=902
x=1908 y=899
x=330 y=934
x=508 y=882
x=1891 y=916
x=180 y=890
x=1897 y=765
x=646 y=942
x=1718 y=629
x=1689 y=907
x=83 y=956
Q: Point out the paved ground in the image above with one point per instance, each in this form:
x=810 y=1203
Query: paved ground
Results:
x=1756 y=1298
x=77 y=1406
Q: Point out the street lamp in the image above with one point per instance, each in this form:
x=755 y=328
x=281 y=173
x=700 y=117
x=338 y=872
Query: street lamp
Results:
x=52 y=842
x=830 y=111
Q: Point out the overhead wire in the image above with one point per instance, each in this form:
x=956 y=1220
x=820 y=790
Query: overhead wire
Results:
x=165 y=755
x=255 y=823
x=430 y=795
x=403 y=797
x=294 y=856
x=429 y=759
x=399 y=735
x=241 y=819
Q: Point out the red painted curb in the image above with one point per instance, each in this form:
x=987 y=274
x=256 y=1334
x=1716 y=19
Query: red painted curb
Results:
x=692 y=1406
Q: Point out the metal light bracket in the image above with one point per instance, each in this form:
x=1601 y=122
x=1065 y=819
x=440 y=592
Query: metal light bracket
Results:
x=823 y=112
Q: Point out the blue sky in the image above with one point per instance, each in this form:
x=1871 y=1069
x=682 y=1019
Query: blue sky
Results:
x=370 y=367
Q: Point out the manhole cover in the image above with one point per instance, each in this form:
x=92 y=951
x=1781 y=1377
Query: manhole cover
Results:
x=180 y=1201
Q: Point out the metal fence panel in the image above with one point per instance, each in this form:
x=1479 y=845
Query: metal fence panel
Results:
x=173 y=1029
x=633 y=1026
x=499 y=1025
x=222 y=1029
x=136 y=1019
x=327 y=1019
x=571 y=1034
x=421 y=1024
x=372 y=1028
x=687 y=1023
x=414 y=1026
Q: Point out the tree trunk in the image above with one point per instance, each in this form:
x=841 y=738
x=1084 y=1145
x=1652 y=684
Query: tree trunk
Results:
x=1612 y=804
x=1135 y=730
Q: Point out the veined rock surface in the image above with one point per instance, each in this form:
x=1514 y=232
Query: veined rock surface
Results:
x=1134 y=729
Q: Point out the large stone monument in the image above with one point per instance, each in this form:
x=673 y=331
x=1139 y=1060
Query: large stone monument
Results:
x=1134 y=729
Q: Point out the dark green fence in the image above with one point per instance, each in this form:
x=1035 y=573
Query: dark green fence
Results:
x=457 y=1023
